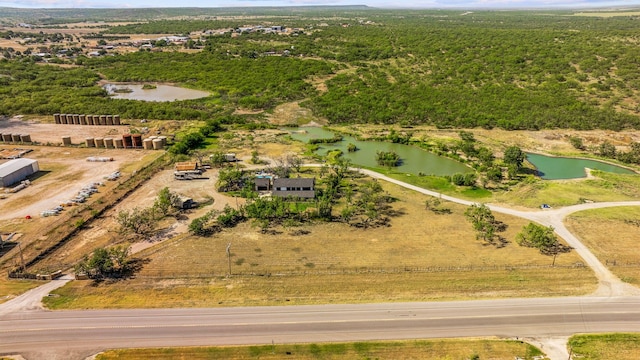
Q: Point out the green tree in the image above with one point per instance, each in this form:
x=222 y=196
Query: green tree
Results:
x=137 y=221
x=482 y=220
x=164 y=202
x=230 y=179
x=541 y=238
x=217 y=159
x=200 y=225
x=255 y=159
x=513 y=155
x=494 y=174
x=457 y=179
x=607 y=149
x=577 y=142
x=387 y=158
x=103 y=263
x=230 y=217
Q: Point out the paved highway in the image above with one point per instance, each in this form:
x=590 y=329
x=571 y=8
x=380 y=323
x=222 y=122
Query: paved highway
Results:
x=76 y=334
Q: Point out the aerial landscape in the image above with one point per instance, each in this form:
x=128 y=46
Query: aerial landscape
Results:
x=319 y=182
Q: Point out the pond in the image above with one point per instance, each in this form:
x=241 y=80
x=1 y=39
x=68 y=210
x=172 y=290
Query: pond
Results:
x=556 y=168
x=159 y=93
x=414 y=160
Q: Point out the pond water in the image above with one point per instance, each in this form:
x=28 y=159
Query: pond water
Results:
x=555 y=168
x=160 y=93
x=414 y=160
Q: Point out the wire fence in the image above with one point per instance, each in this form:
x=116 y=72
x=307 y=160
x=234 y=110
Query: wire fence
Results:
x=172 y=273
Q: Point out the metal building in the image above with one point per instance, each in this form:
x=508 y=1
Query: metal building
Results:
x=16 y=170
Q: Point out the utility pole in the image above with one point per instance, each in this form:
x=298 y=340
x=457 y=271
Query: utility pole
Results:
x=229 y=257
x=21 y=256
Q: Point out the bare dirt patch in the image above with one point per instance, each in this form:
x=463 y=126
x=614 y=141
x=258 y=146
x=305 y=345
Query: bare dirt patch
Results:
x=292 y=113
x=63 y=172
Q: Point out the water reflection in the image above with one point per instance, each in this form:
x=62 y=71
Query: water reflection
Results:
x=159 y=93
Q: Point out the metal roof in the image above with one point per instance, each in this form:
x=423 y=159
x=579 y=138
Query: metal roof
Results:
x=294 y=182
x=12 y=166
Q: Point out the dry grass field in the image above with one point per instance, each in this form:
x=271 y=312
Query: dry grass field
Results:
x=619 y=346
x=613 y=235
x=422 y=256
x=12 y=288
x=494 y=349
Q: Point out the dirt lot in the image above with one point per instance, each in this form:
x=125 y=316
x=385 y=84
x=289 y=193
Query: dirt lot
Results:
x=44 y=131
x=63 y=170
x=104 y=230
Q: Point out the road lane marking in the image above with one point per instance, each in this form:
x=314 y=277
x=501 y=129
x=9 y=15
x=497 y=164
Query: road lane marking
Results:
x=399 y=319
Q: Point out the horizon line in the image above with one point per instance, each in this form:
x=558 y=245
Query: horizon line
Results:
x=390 y=7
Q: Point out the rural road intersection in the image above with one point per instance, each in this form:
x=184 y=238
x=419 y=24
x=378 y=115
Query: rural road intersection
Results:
x=27 y=329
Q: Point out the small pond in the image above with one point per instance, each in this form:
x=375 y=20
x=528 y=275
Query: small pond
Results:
x=556 y=168
x=414 y=160
x=159 y=93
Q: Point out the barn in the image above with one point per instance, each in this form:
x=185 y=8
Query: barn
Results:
x=16 y=170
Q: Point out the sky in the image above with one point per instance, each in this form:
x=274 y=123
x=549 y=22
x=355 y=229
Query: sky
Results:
x=459 y=4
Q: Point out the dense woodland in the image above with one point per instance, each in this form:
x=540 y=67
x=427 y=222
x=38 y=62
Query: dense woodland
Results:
x=513 y=70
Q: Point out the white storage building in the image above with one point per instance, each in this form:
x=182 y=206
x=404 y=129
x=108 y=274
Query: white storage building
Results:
x=16 y=170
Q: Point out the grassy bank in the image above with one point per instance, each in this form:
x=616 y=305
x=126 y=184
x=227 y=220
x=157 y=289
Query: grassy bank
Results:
x=605 y=346
x=416 y=349
x=322 y=289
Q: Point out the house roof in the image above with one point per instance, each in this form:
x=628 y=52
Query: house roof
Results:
x=295 y=182
x=262 y=181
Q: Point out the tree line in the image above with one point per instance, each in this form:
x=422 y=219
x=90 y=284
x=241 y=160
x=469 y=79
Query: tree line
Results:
x=508 y=70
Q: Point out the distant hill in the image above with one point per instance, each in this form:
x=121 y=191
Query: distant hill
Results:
x=9 y=16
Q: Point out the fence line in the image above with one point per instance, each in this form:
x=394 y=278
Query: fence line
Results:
x=171 y=273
